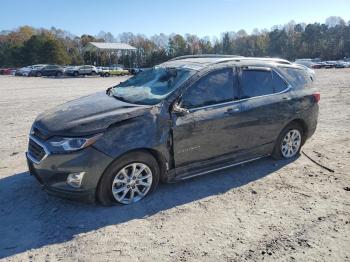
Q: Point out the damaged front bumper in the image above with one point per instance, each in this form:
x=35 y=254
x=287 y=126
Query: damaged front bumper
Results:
x=53 y=170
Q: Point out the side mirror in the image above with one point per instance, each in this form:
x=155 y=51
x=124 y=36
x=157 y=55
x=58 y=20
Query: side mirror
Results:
x=177 y=109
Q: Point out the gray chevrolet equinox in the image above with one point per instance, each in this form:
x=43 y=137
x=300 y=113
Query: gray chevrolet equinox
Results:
x=186 y=117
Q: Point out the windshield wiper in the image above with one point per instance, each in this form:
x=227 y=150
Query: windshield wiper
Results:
x=108 y=90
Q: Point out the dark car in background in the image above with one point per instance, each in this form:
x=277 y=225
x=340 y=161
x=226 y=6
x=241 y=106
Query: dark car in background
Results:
x=135 y=70
x=184 y=118
x=36 y=70
x=48 y=70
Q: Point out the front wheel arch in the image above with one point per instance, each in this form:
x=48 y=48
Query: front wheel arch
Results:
x=101 y=196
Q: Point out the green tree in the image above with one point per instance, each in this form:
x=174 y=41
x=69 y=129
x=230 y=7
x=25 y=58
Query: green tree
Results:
x=53 y=52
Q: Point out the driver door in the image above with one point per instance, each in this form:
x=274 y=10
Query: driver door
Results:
x=208 y=128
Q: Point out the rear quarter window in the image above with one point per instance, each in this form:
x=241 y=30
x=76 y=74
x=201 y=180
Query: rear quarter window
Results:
x=298 y=78
x=279 y=85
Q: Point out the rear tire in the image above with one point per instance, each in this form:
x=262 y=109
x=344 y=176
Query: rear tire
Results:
x=107 y=74
x=289 y=142
x=75 y=73
x=58 y=74
x=38 y=74
x=120 y=183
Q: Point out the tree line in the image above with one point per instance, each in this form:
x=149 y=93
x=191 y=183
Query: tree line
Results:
x=27 y=45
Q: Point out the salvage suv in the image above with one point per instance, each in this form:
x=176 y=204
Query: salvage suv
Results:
x=186 y=117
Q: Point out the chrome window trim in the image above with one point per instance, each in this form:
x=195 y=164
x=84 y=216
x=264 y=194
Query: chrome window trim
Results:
x=214 y=105
x=47 y=152
x=241 y=100
x=289 y=87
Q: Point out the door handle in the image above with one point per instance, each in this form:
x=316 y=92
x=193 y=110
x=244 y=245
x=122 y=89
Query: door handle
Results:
x=232 y=110
x=286 y=98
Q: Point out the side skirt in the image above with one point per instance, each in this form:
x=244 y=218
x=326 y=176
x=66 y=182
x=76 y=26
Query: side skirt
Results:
x=192 y=174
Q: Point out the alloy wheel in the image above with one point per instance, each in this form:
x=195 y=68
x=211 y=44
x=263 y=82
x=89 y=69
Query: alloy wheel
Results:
x=291 y=143
x=132 y=183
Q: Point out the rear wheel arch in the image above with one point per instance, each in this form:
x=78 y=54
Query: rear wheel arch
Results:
x=297 y=124
x=303 y=126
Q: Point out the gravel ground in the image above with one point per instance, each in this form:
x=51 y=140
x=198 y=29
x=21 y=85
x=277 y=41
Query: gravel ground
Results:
x=267 y=210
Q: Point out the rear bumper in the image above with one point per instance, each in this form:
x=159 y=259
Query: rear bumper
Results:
x=52 y=173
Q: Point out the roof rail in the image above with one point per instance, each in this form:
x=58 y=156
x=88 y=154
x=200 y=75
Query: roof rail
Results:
x=204 y=56
x=269 y=59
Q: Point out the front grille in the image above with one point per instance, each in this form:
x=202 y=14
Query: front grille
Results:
x=36 y=151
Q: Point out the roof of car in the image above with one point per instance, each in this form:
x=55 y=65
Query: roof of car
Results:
x=198 y=62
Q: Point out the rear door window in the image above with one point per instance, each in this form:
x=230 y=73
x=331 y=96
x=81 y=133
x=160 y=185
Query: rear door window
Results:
x=213 y=88
x=255 y=82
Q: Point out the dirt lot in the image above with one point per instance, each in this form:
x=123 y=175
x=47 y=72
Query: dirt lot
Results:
x=267 y=210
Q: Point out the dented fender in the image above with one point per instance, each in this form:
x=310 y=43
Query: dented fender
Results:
x=150 y=131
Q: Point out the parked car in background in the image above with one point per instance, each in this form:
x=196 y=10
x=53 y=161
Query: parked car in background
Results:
x=342 y=64
x=112 y=71
x=330 y=64
x=7 y=71
x=35 y=69
x=23 y=71
x=184 y=118
x=80 y=70
x=50 y=70
x=135 y=70
x=346 y=64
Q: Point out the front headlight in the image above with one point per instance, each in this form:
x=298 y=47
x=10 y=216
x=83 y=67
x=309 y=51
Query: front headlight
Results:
x=68 y=144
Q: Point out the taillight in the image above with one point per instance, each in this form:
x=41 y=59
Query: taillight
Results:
x=317 y=96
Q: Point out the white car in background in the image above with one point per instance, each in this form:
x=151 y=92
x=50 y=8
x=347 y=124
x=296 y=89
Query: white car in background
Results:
x=81 y=70
x=24 y=71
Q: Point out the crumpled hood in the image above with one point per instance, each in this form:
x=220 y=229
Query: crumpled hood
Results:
x=86 y=115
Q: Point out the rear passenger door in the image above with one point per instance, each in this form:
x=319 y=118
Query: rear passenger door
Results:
x=266 y=105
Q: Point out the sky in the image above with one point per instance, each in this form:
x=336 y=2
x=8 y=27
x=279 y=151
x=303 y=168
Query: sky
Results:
x=149 y=17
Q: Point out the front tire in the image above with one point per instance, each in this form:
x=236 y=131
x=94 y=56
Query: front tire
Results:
x=289 y=142
x=128 y=179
